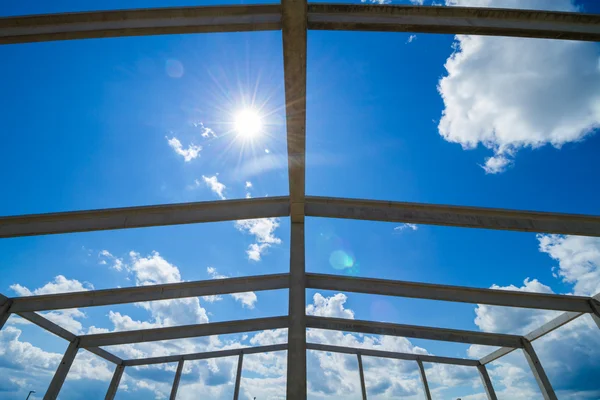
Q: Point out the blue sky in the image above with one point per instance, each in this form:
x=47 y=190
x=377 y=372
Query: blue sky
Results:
x=492 y=122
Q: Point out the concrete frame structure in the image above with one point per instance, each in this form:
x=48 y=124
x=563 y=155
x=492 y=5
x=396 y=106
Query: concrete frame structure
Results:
x=294 y=18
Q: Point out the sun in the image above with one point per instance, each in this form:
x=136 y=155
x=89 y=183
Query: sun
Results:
x=248 y=123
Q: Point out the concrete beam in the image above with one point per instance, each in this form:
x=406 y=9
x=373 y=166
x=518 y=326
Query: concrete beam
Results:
x=462 y=294
x=296 y=360
x=393 y=355
x=140 y=22
x=4 y=313
x=293 y=21
x=182 y=332
x=538 y=371
x=455 y=20
x=238 y=377
x=114 y=383
x=144 y=216
x=61 y=372
x=176 y=380
x=413 y=331
x=467 y=217
x=105 y=354
x=487 y=382
x=95 y=298
x=206 y=355
x=363 y=388
x=424 y=380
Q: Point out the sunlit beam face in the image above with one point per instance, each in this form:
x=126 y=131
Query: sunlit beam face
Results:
x=248 y=123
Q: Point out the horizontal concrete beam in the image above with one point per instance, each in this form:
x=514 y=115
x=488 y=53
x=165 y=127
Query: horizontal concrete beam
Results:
x=454 y=20
x=392 y=354
x=413 y=331
x=94 y=298
x=462 y=294
x=206 y=355
x=145 y=216
x=467 y=217
x=182 y=332
x=141 y=22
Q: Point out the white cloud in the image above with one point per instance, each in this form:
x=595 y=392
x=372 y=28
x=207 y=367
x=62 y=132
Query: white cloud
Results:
x=417 y=2
x=402 y=227
x=60 y=284
x=247 y=299
x=578 y=260
x=213 y=183
x=248 y=184
x=411 y=39
x=510 y=93
x=376 y=1
x=116 y=263
x=153 y=269
x=263 y=230
x=188 y=154
x=329 y=306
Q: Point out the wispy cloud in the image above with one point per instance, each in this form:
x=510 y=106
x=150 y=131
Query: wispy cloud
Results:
x=411 y=39
x=264 y=232
x=213 y=183
x=403 y=227
x=188 y=154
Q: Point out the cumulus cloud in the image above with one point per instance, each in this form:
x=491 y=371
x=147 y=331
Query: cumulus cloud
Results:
x=213 y=183
x=510 y=93
x=578 y=260
x=116 y=263
x=193 y=151
x=330 y=306
x=263 y=230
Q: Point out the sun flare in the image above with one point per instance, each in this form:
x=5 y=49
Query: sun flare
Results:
x=248 y=123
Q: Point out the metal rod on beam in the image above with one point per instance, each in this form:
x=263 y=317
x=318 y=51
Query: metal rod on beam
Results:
x=141 y=22
x=114 y=383
x=238 y=377
x=61 y=372
x=145 y=216
x=424 y=380
x=393 y=355
x=363 y=388
x=136 y=294
x=462 y=294
x=182 y=332
x=176 y=380
x=538 y=371
x=467 y=217
x=487 y=382
x=455 y=20
x=414 y=331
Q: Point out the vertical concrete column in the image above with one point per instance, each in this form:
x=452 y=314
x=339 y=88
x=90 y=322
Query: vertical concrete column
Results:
x=114 y=383
x=62 y=371
x=487 y=382
x=176 y=380
x=4 y=314
x=362 y=377
x=595 y=306
x=238 y=377
x=538 y=371
x=424 y=380
x=296 y=367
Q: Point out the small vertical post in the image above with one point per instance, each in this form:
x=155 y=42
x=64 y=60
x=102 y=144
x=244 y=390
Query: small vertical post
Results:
x=114 y=383
x=62 y=371
x=362 y=376
x=4 y=313
x=296 y=360
x=538 y=371
x=238 y=377
x=424 y=380
x=487 y=382
x=176 y=380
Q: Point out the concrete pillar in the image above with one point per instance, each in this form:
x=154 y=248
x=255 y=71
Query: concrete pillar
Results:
x=424 y=380
x=595 y=315
x=362 y=377
x=62 y=371
x=296 y=366
x=176 y=381
x=487 y=382
x=538 y=371
x=238 y=377
x=4 y=314
x=114 y=383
